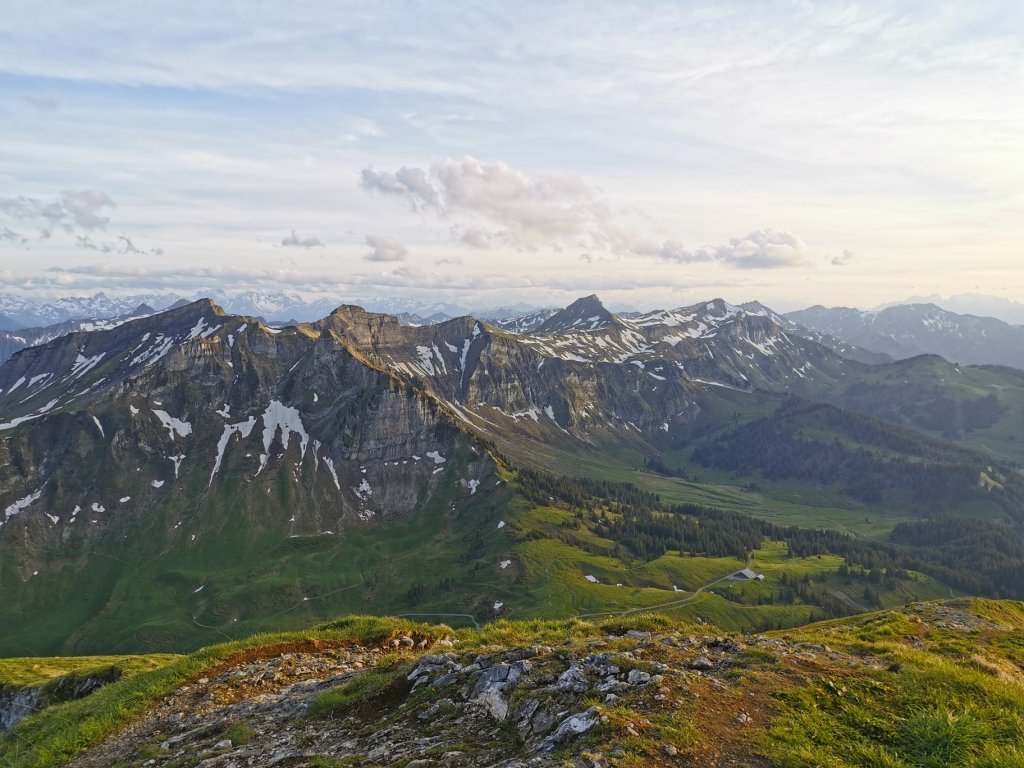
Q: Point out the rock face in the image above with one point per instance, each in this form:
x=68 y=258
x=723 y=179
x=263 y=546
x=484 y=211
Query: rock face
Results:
x=18 y=703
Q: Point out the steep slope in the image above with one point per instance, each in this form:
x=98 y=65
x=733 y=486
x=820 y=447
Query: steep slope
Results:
x=904 y=331
x=12 y=341
x=189 y=443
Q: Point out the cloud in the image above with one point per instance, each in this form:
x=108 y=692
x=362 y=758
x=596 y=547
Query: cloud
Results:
x=9 y=234
x=843 y=259
x=384 y=248
x=529 y=211
x=411 y=184
x=82 y=208
x=73 y=210
x=556 y=211
x=76 y=213
x=761 y=249
x=449 y=260
x=296 y=241
x=475 y=238
x=121 y=244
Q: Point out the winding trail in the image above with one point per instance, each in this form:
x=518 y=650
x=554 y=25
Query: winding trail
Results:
x=671 y=604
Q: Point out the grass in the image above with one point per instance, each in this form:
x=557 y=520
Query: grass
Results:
x=38 y=671
x=941 y=701
x=361 y=691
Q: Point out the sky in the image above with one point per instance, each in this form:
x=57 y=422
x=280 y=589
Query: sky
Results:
x=657 y=154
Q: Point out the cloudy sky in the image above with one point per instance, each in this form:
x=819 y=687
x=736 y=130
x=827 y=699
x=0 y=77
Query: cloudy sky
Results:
x=658 y=154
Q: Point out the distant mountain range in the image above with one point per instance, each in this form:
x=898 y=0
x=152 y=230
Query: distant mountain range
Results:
x=903 y=331
x=17 y=312
x=982 y=305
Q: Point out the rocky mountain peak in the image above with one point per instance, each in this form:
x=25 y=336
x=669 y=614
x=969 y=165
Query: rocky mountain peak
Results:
x=585 y=314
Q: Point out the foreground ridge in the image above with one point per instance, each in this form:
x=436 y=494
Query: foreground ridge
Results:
x=944 y=678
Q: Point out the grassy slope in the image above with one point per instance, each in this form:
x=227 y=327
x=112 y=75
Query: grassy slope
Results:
x=952 y=696
x=143 y=594
x=37 y=671
x=553 y=560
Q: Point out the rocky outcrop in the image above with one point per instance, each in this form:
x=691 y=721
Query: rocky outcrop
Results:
x=18 y=703
x=574 y=703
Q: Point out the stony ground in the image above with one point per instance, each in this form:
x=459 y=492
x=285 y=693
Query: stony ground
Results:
x=629 y=700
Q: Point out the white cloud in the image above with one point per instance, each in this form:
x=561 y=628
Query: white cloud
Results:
x=384 y=248
x=296 y=241
x=530 y=211
x=764 y=249
x=555 y=211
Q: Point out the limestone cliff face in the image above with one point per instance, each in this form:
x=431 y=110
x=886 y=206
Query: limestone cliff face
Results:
x=193 y=428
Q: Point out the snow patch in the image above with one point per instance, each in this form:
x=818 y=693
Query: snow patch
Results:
x=436 y=456
x=22 y=419
x=197 y=329
x=177 y=463
x=83 y=364
x=334 y=474
x=157 y=483
x=99 y=427
x=243 y=428
x=363 y=490
x=21 y=504
x=161 y=346
x=173 y=425
x=287 y=419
